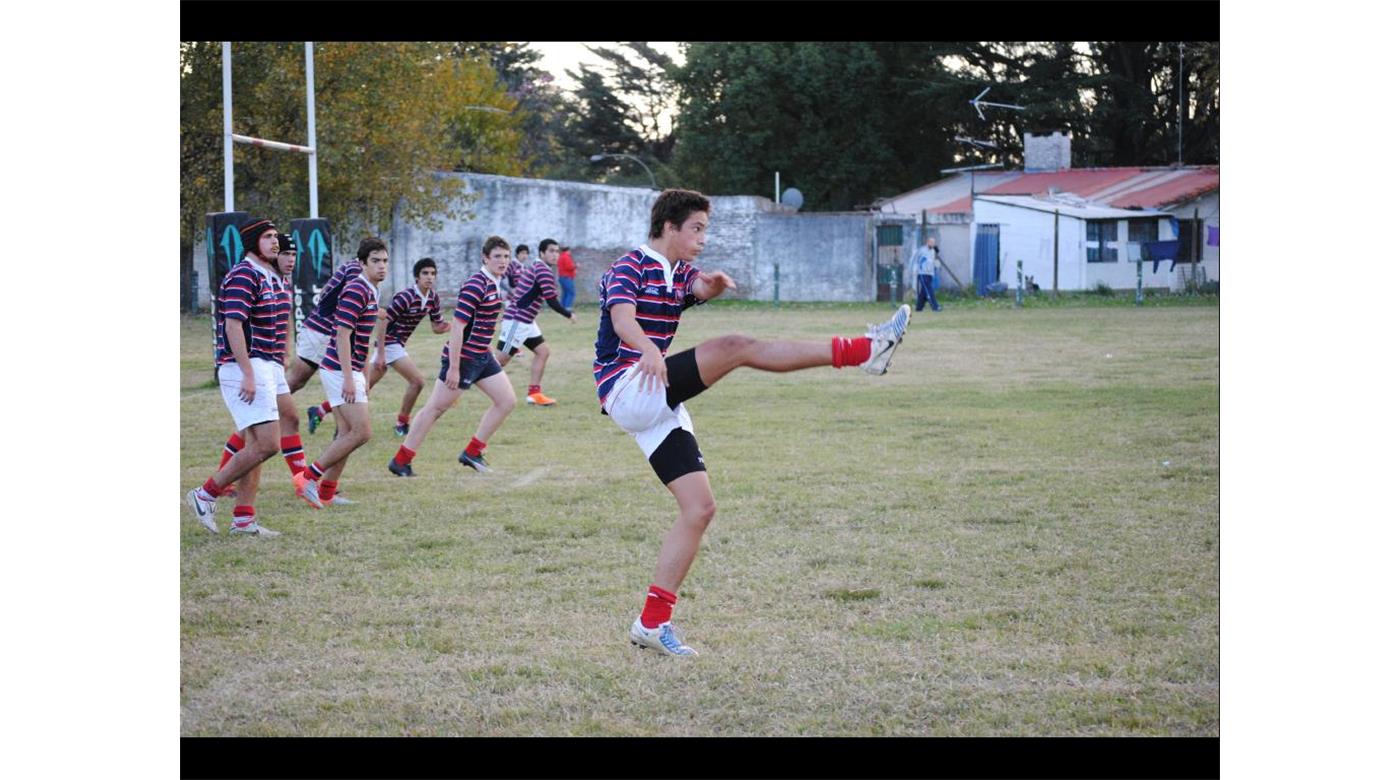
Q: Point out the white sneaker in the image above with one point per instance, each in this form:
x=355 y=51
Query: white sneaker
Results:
x=664 y=638
x=203 y=509
x=339 y=500
x=253 y=529
x=883 y=339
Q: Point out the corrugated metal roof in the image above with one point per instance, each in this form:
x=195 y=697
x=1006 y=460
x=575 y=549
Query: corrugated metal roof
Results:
x=1080 y=182
x=1117 y=187
x=1195 y=182
x=1088 y=211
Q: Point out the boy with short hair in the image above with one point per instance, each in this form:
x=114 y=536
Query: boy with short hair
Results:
x=251 y=322
x=642 y=296
x=467 y=361
x=534 y=287
x=342 y=374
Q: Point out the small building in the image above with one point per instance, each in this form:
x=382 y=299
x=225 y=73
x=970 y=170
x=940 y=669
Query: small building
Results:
x=1011 y=204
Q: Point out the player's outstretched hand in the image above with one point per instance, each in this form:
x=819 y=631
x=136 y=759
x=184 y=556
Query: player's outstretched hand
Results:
x=716 y=282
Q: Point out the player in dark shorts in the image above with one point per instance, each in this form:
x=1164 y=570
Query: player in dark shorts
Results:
x=641 y=297
x=467 y=361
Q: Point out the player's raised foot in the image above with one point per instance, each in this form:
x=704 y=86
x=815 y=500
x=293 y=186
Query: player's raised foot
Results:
x=883 y=339
x=401 y=430
x=313 y=418
x=475 y=461
x=539 y=399
x=664 y=639
x=203 y=509
x=406 y=470
x=253 y=529
x=339 y=500
x=307 y=490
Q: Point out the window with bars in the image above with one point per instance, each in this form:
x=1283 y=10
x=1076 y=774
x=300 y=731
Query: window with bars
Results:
x=1101 y=239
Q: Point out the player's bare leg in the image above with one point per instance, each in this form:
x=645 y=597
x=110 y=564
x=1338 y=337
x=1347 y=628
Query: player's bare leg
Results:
x=442 y=399
x=717 y=357
x=678 y=548
x=352 y=420
x=537 y=363
x=410 y=373
x=497 y=387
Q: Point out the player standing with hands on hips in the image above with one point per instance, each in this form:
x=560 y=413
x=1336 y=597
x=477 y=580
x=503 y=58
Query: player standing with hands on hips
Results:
x=642 y=296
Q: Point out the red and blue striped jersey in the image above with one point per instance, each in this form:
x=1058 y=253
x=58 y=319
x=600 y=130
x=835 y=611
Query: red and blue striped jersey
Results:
x=406 y=309
x=479 y=305
x=357 y=311
x=639 y=278
x=322 y=317
x=534 y=287
x=260 y=302
x=512 y=274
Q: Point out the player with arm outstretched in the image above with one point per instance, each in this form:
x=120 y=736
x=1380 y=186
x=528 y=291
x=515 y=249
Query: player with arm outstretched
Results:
x=643 y=390
x=534 y=287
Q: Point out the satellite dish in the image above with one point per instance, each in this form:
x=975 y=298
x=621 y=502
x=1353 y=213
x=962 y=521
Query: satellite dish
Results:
x=792 y=198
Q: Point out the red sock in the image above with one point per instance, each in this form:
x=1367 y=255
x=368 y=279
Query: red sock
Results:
x=327 y=490
x=475 y=446
x=293 y=453
x=849 y=352
x=210 y=488
x=403 y=419
x=235 y=443
x=325 y=407
x=657 y=609
x=242 y=515
x=404 y=456
x=314 y=471
x=533 y=389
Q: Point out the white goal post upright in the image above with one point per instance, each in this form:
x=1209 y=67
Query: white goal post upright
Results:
x=230 y=137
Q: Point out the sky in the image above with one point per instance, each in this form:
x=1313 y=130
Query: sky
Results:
x=561 y=57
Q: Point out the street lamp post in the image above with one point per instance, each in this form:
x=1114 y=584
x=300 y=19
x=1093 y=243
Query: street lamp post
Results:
x=599 y=158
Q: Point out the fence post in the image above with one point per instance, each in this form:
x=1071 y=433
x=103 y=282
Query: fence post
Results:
x=1020 y=284
x=775 y=284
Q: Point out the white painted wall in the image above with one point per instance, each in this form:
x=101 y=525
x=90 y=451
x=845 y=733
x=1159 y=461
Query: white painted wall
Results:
x=1028 y=235
x=1209 y=209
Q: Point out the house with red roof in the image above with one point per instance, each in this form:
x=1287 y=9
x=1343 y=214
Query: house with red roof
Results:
x=1071 y=228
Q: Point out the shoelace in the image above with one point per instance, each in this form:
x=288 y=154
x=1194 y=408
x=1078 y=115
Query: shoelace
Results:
x=671 y=639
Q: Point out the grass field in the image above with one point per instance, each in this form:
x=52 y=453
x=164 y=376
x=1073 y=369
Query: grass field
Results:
x=1014 y=532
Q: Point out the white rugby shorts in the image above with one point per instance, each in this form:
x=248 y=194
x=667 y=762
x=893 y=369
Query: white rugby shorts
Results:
x=391 y=353
x=514 y=333
x=263 y=407
x=645 y=415
x=334 y=381
x=311 y=345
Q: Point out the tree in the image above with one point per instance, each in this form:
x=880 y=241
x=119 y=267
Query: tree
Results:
x=817 y=113
x=389 y=118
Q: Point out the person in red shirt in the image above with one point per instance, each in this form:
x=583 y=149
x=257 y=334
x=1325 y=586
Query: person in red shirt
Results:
x=567 y=271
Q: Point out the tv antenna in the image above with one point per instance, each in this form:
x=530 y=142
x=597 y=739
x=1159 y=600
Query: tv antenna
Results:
x=978 y=102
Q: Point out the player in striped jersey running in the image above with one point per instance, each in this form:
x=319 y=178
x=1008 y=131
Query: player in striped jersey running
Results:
x=467 y=361
x=534 y=287
x=643 y=389
x=342 y=374
x=251 y=321
x=398 y=320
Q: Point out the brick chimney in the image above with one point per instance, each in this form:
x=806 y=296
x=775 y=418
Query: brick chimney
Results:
x=1047 y=152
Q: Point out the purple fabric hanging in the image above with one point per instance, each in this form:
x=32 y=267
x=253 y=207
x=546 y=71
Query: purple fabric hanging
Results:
x=1212 y=235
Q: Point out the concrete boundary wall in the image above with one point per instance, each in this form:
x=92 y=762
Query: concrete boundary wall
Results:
x=822 y=256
